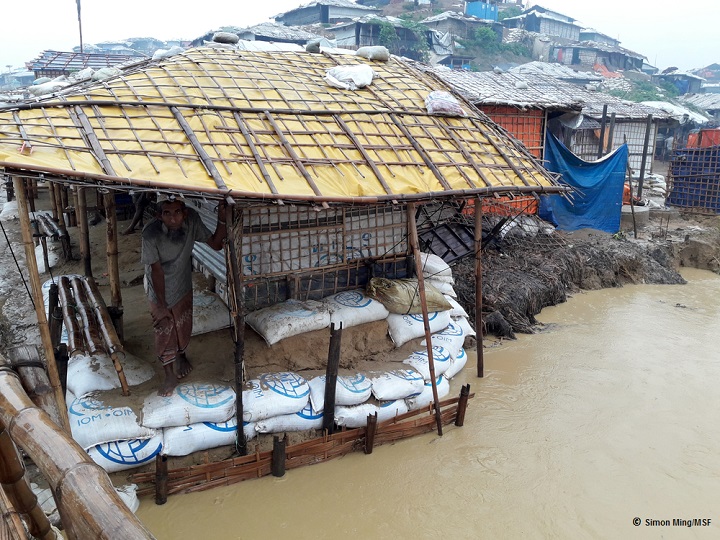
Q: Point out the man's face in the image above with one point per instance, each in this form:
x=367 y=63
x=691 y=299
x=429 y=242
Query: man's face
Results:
x=172 y=214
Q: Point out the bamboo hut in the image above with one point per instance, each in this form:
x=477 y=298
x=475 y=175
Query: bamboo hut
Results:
x=323 y=184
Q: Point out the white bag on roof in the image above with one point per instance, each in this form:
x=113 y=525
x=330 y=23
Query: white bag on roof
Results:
x=92 y=422
x=443 y=103
x=289 y=318
x=350 y=77
x=352 y=308
x=122 y=455
x=374 y=52
x=426 y=396
x=349 y=390
x=451 y=339
x=308 y=418
x=188 y=404
x=419 y=360
x=403 y=328
x=457 y=365
x=396 y=384
x=97 y=372
x=184 y=440
x=274 y=394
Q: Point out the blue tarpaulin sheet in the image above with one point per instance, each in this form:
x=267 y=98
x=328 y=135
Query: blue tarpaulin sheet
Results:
x=596 y=202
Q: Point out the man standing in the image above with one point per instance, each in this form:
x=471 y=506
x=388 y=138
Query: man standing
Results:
x=167 y=244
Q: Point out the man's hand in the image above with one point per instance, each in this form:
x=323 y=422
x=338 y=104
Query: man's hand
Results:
x=221 y=207
x=164 y=313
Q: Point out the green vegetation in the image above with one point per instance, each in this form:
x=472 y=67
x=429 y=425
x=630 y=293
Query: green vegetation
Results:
x=486 y=41
x=416 y=44
x=509 y=12
x=646 y=91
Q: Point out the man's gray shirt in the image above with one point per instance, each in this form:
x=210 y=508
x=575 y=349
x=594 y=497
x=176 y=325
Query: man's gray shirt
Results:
x=175 y=255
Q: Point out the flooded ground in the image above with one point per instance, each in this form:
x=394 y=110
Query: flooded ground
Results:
x=607 y=416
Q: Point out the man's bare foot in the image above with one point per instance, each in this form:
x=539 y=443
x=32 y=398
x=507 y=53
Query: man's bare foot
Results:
x=128 y=231
x=182 y=366
x=168 y=386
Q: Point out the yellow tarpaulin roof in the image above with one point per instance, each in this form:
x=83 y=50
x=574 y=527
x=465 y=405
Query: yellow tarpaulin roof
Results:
x=268 y=126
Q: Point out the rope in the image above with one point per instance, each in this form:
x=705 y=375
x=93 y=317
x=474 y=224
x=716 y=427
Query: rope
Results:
x=17 y=264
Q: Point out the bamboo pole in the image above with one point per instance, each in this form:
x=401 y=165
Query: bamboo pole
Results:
x=412 y=230
x=87 y=501
x=75 y=339
x=462 y=405
x=38 y=300
x=89 y=325
x=278 y=456
x=161 y=479
x=478 y=288
x=331 y=373
x=14 y=483
x=84 y=230
x=53 y=204
x=11 y=526
x=26 y=362
x=112 y=253
x=370 y=431
x=236 y=299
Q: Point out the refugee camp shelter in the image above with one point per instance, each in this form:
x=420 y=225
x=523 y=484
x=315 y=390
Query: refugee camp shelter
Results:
x=324 y=12
x=324 y=174
x=708 y=102
x=544 y=21
x=56 y=63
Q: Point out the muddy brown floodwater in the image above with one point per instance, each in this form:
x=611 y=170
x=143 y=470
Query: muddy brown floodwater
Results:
x=608 y=415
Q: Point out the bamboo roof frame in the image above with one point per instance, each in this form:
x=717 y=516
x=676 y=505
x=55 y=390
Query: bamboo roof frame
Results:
x=261 y=126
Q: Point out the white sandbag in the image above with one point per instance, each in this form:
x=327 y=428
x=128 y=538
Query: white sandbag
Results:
x=403 y=328
x=457 y=310
x=184 y=440
x=396 y=384
x=209 y=313
x=9 y=211
x=274 y=394
x=53 y=257
x=106 y=73
x=349 y=390
x=189 y=403
x=426 y=396
x=97 y=372
x=308 y=418
x=457 y=364
x=374 y=52
x=465 y=325
x=128 y=494
x=356 y=415
x=92 y=422
x=289 y=318
x=419 y=360
x=434 y=266
x=349 y=77
x=352 y=308
x=441 y=103
x=451 y=339
x=443 y=286
x=122 y=455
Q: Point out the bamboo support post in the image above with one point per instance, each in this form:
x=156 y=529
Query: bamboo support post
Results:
x=414 y=243
x=54 y=322
x=479 y=289
x=643 y=161
x=89 y=324
x=331 y=374
x=161 y=479
x=46 y=259
x=15 y=485
x=370 y=432
x=53 y=203
x=278 y=456
x=84 y=230
x=462 y=405
x=611 y=134
x=57 y=199
x=603 y=124
x=236 y=298
x=88 y=504
x=38 y=301
x=112 y=251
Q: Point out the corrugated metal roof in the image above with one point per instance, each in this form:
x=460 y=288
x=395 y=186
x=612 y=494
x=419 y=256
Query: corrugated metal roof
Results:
x=264 y=126
x=679 y=113
x=506 y=88
x=72 y=61
x=706 y=102
x=336 y=3
x=452 y=15
x=606 y=47
x=557 y=71
x=280 y=31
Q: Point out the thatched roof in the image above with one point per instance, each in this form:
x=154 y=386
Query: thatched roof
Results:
x=259 y=126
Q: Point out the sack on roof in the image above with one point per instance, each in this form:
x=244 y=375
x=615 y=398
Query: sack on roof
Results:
x=350 y=77
x=442 y=103
x=375 y=52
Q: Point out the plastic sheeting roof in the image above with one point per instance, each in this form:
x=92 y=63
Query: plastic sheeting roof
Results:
x=258 y=125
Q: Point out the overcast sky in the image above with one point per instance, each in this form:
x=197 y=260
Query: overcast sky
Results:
x=685 y=35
